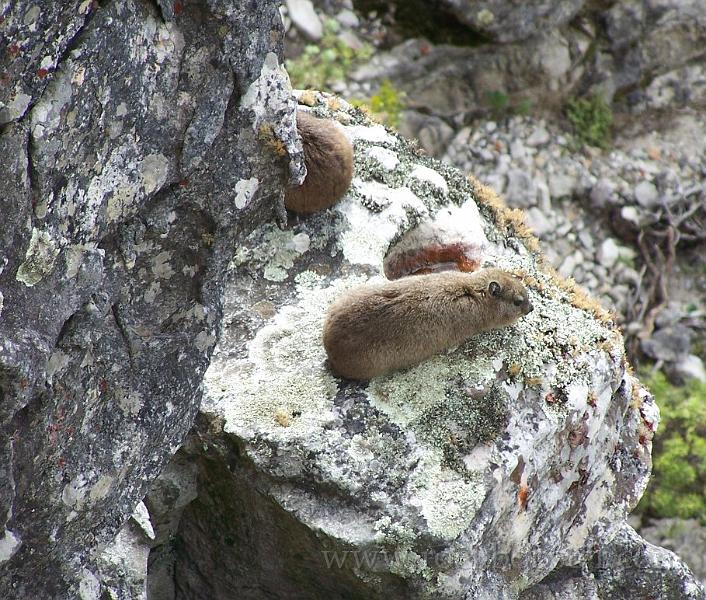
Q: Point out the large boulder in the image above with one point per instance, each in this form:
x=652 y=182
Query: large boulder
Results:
x=140 y=140
x=476 y=474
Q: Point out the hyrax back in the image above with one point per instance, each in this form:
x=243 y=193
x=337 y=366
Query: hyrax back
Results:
x=375 y=329
x=328 y=156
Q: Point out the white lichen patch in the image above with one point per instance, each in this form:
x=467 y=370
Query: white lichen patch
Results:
x=154 y=170
x=39 y=258
x=376 y=134
x=74 y=256
x=245 y=191
x=9 y=544
x=284 y=373
x=269 y=88
x=74 y=492
x=272 y=250
x=152 y=292
x=387 y=158
x=161 y=268
x=56 y=364
x=367 y=236
x=423 y=173
x=89 y=586
x=205 y=340
x=117 y=184
x=47 y=113
x=129 y=402
x=100 y=488
x=16 y=107
x=405 y=395
x=447 y=500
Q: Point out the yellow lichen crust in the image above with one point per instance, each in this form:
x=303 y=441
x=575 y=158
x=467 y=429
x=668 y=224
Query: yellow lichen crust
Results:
x=267 y=136
x=509 y=220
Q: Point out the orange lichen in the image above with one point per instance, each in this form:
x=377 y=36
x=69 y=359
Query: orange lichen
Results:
x=267 y=136
x=308 y=98
x=511 y=221
x=635 y=397
x=283 y=418
x=334 y=103
x=514 y=370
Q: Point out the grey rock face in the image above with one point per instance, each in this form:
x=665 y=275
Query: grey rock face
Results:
x=510 y=21
x=34 y=38
x=627 y=567
x=669 y=343
x=130 y=165
x=685 y=537
x=448 y=81
x=662 y=42
x=475 y=474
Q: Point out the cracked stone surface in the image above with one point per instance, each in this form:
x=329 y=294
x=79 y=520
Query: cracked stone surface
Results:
x=135 y=149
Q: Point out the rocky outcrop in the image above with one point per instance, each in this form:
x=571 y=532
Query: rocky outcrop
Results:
x=140 y=140
x=512 y=22
x=478 y=473
x=627 y=567
x=641 y=57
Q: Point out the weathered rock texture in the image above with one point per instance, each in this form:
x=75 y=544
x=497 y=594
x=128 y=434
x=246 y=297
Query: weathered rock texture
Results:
x=510 y=21
x=640 y=56
x=139 y=141
x=476 y=474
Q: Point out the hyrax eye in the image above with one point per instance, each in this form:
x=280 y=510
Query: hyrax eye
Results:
x=494 y=288
x=518 y=301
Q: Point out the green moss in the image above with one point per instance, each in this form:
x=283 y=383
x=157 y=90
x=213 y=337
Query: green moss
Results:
x=323 y=64
x=502 y=106
x=678 y=484
x=385 y=105
x=591 y=119
x=498 y=102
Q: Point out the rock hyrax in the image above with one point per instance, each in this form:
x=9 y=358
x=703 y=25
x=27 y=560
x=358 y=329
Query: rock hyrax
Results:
x=375 y=329
x=328 y=156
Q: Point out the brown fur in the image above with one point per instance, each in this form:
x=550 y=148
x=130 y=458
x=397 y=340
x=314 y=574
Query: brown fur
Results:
x=375 y=329
x=328 y=156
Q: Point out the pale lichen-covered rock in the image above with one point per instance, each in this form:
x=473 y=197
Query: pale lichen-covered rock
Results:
x=139 y=141
x=475 y=474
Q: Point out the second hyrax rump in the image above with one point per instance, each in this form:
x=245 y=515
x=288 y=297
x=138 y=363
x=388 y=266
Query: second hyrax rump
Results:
x=328 y=156
x=375 y=329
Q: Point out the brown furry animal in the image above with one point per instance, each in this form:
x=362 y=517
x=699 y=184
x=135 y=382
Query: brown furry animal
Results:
x=328 y=156
x=375 y=329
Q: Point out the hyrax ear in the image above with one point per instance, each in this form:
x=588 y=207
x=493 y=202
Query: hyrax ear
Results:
x=494 y=288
